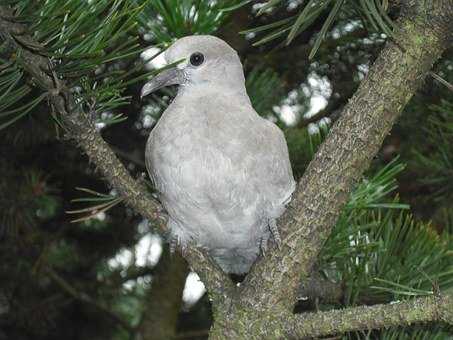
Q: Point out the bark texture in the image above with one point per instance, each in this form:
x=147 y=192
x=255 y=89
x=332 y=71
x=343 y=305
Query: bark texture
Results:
x=371 y=317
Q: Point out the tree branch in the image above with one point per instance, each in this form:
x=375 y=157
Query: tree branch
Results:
x=286 y=325
x=348 y=150
x=81 y=128
x=425 y=309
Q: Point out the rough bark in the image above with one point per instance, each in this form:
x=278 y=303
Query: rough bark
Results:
x=320 y=324
x=370 y=317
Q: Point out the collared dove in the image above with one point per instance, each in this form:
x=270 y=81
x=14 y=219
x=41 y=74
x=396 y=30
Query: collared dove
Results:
x=222 y=172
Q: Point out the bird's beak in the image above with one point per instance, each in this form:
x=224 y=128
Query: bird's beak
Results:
x=170 y=76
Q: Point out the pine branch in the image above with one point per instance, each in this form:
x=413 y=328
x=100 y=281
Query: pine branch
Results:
x=346 y=153
x=328 y=112
x=425 y=309
x=436 y=308
x=81 y=128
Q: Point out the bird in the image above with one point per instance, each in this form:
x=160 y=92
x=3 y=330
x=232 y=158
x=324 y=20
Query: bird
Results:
x=221 y=171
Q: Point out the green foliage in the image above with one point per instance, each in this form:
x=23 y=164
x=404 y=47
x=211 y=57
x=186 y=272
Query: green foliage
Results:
x=167 y=20
x=417 y=333
x=412 y=333
x=437 y=164
x=446 y=220
x=264 y=89
x=100 y=203
x=370 y=192
x=380 y=252
x=374 y=12
x=34 y=200
x=13 y=90
x=377 y=250
x=62 y=255
x=84 y=41
x=302 y=146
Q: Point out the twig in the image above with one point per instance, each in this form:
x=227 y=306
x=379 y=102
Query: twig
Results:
x=330 y=110
x=441 y=80
x=304 y=122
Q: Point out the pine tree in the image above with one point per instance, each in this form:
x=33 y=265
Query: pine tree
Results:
x=78 y=224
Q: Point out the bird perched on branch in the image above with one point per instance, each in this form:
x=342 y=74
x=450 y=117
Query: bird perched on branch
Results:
x=222 y=172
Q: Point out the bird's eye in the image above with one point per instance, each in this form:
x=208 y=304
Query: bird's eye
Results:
x=196 y=59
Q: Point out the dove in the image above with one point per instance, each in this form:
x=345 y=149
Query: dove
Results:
x=221 y=171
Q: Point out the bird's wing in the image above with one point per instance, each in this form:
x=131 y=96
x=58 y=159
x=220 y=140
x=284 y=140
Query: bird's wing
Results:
x=274 y=174
x=258 y=149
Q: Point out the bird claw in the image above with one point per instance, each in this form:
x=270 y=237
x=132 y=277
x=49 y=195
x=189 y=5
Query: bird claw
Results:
x=263 y=245
x=173 y=244
x=274 y=231
x=176 y=243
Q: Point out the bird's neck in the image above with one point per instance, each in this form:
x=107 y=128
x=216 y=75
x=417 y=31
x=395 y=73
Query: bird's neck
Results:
x=236 y=93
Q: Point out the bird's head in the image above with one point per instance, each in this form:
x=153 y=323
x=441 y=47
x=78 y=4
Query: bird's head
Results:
x=201 y=60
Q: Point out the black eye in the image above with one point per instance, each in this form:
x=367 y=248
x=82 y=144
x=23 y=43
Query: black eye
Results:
x=196 y=59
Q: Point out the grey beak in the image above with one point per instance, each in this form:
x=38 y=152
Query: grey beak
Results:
x=171 y=76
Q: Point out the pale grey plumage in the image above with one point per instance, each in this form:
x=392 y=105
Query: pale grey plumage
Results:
x=222 y=171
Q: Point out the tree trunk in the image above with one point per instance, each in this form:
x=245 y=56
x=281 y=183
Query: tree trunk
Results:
x=163 y=303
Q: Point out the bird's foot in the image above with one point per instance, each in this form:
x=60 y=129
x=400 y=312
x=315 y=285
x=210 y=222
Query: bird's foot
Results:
x=173 y=244
x=274 y=231
x=263 y=244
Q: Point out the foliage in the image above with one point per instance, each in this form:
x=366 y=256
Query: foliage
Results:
x=166 y=20
x=302 y=146
x=264 y=89
x=83 y=41
x=437 y=164
x=373 y=13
